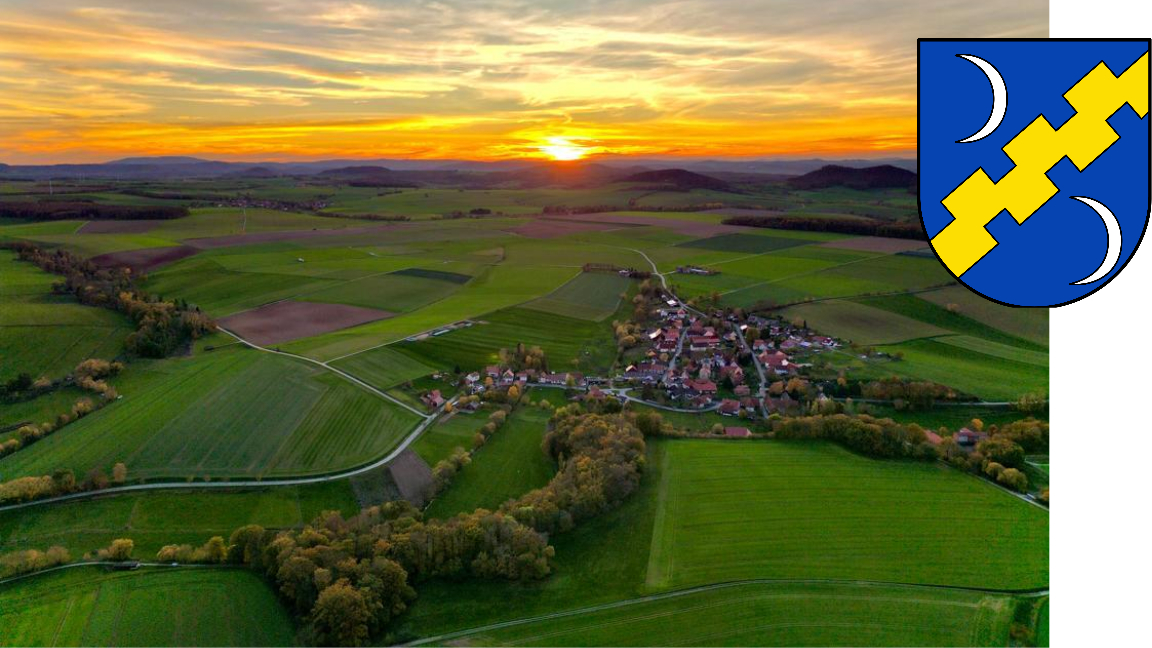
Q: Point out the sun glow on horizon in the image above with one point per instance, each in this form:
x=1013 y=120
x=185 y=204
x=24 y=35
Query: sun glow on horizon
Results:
x=563 y=149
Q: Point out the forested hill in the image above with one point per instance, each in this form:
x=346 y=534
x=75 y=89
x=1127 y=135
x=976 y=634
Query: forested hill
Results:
x=877 y=177
x=680 y=179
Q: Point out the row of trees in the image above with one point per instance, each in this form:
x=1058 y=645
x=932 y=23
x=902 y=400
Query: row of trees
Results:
x=88 y=375
x=75 y=210
x=858 y=226
x=61 y=482
x=161 y=326
x=881 y=438
x=30 y=560
x=445 y=470
x=916 y=394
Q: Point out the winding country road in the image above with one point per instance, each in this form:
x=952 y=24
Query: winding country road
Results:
x=450 y=636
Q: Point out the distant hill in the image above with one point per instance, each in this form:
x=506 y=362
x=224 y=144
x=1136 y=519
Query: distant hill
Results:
x=253 y=172
x=356 y=171
x=159 y=160
x=678 y=179
x=370 y=176
x=876 y=177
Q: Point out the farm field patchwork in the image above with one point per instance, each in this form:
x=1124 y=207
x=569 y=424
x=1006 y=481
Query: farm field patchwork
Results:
x=92 y=606
x=992 y=328
x=826 y=513
x=1028 y=323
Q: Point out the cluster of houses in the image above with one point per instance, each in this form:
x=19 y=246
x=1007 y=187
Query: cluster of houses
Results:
x=696 y=270
x=695 y=364
x=279 y=205
x=503 y=377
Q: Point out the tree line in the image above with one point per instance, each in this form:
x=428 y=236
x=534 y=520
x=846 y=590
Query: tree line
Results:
x=88 y=375
x=162 y=327
x=61 y=482
x=880 y=438
x=858 y=226
x=75 y=210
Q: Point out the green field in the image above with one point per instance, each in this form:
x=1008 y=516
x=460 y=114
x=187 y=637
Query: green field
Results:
x=150 y=607
x=154 y=519
x=590 y=296
x=826 y=513
x=989 y=377
x=384 y=367
x=764 y=614
x=1028 y=323
x=509 y=465
x=747 y=243
x=568 y=343
x=859 y=323
x=227 y=413
x=42 y=334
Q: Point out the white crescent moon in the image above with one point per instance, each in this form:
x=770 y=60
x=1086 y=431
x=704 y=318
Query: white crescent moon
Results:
x=1115 y=243
x=999 y=98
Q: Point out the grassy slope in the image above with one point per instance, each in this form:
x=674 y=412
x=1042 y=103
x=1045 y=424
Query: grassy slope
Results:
x=509 y=465
x=823 y=512
x=91 y=607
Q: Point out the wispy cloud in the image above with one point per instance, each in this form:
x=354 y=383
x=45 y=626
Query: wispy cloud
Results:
x=471 y=78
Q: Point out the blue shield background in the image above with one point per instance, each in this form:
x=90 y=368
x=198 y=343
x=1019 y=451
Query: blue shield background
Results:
x=1064 y=241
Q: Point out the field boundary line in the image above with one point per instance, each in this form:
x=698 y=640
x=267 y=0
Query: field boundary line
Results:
x=443 y=638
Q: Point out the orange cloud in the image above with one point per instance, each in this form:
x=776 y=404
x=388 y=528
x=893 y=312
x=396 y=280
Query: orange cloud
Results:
x=470 y=79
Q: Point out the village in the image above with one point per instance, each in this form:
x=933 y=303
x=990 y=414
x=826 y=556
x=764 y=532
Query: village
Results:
x=689 y=361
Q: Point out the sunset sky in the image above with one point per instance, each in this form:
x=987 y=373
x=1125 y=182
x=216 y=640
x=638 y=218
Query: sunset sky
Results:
x=473 y=79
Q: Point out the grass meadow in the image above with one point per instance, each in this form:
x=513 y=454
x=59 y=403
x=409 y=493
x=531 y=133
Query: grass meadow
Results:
x=227 y=413
x=150 y=607
x=42 y=334
x=154 y=519
x=780 y=614
x=510 y=464
x=823 y=512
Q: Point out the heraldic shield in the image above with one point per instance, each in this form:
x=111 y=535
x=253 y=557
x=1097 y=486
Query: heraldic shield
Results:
x=1034 y=162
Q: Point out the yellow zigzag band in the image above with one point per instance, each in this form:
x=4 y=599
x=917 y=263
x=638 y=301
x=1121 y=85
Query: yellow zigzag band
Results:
x=1083 y=138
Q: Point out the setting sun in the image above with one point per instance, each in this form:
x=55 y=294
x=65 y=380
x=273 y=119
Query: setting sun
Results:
x=563 y=149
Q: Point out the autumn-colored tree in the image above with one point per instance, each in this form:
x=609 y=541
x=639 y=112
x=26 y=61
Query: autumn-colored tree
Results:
x=120 y=549
x=1013 y=479
x=340 y=617
x=119 y=473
